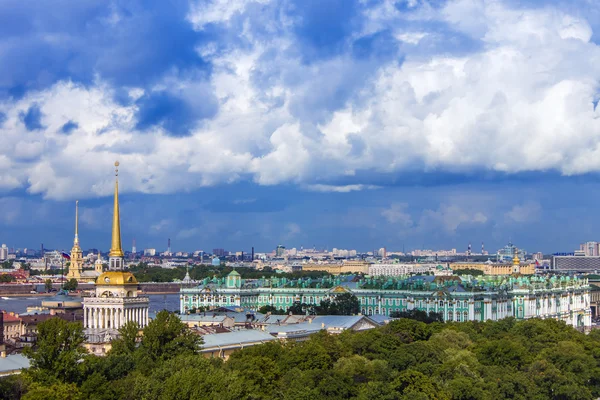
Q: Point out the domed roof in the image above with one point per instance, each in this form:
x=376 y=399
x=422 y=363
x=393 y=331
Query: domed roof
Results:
x=234 y=273
x=116 y=278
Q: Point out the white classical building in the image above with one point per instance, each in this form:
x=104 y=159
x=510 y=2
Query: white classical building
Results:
x=115 y=303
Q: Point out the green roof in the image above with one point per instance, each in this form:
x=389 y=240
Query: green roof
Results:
x=234 y=273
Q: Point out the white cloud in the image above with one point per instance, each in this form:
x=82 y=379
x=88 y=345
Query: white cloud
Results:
x=522 y=101
x=526 y=212
x=203 y=12
x=161 y=225
x=188 y=233
x=291 y=230
x=396 y=214
x=339 y=189
x=450 y=217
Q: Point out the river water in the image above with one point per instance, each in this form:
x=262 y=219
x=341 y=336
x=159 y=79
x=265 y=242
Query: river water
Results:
x=19 y=305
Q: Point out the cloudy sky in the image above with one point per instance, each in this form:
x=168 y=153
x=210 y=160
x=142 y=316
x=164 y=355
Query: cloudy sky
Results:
x=334 y=123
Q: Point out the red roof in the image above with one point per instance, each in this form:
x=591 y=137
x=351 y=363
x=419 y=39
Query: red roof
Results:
x=10 y=318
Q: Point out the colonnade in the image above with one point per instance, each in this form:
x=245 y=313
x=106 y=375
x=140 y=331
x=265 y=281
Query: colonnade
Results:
x=103 y=317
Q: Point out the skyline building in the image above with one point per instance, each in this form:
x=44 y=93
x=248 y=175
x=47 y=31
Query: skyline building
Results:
x=3 y=252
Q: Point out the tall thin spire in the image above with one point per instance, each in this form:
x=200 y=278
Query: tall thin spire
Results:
x=76 y=241
x=115 y=248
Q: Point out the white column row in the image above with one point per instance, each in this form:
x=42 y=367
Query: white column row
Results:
x=103 y=317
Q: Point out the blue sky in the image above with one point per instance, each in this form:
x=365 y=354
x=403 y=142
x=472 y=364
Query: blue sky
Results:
x=335 y=123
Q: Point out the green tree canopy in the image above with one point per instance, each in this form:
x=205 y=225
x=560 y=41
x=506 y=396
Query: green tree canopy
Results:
x=57 y=351
x=71 y=284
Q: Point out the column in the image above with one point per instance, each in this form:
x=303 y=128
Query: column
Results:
x=84 y=317
x=137 y=316
x=94 y=317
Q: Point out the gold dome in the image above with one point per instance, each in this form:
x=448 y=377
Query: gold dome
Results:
x=119 y=278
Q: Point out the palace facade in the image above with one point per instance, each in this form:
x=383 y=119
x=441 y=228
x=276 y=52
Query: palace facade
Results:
x=455 y=298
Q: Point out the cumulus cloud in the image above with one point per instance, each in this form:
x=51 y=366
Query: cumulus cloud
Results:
x=397 y=214
x=450 y=217
x=251 y=92
x=292 y=230
x=188 y=233
x=526 y=212
x=339 y=188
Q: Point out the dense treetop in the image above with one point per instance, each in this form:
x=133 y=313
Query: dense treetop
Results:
x=407 y=359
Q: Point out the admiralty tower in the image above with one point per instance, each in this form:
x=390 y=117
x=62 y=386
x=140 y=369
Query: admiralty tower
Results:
x=115 y=300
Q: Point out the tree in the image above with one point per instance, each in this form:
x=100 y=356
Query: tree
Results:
x=129 y=335
x=419 y=315
x=57 y=391
x=271 y=309
x=48 y=285
x=57 y=352
x=71 y=284
x=342 y=304
x=166 y=337
x=5 y=278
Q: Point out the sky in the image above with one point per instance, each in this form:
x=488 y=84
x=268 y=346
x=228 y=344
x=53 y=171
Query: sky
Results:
x=329 y=123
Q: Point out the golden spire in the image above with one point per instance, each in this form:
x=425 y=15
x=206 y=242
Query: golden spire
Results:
x=76 y=241
x=115 y=248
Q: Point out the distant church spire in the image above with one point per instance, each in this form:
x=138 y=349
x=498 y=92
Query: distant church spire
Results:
x=76 y=241
x=76 y=262
x=115 y=248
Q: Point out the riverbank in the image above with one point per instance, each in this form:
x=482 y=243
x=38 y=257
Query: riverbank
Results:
x=19 y=304
x=28 y=294
x=25 y=289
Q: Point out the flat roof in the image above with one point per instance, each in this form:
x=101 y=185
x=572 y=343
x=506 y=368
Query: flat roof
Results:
x=234 y=338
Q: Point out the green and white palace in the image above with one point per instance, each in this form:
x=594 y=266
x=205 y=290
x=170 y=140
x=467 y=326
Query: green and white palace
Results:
x=455 y=298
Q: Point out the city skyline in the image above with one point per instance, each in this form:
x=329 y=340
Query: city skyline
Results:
x=337 y=124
